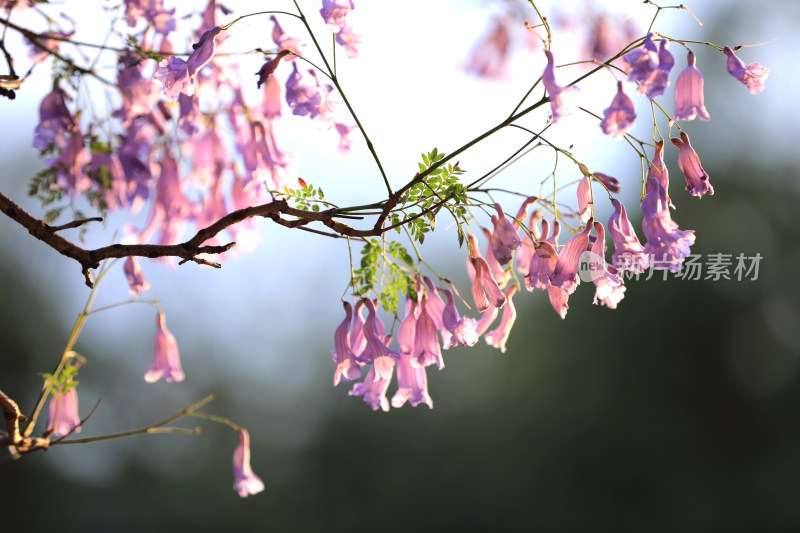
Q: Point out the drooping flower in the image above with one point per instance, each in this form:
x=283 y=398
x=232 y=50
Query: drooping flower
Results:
x=334 y=12
x=347 y=368
x=283 y=40
x=562 y=99
x=529 y=240
x=609 y=182
x=489 y=56
x=426 y=349
x=265 y=163
x=71 y=165
x=666 y=244
x=462 y=329
x=504 y=239
x=499 y=336
x=54 y=121
x=485 y=284
x=412 y=384
x=697 y=181
x=609 y=287
x=166 y=360
x=629 y=253
x=660 y=80
x=348 y=39
x=487 y=319
x=377 y=352
x=63 y=416
x=304 y=94
x=137 y=283
x=753 y=75
x=500 y=275
x=619 y=116
x=564 y=279
x=585 y=204
x=650 y=67
x=373 y=390
x=139 y=94
x=245 y=482
x=543 y=259
x=689 y=93
x=642 y=61
x=417 y=333
x=658 y=169
x=190 y=119
x=180 y=75
x=269 y=67
x=151 y=11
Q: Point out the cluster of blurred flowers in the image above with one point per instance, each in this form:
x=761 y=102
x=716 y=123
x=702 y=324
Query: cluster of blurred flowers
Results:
x=180 y=165
x=172 y=155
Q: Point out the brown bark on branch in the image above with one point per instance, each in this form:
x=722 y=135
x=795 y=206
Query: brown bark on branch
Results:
x=189 y=250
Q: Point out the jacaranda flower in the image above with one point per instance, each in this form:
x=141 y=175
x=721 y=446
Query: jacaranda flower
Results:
x=412 y=384
x=689 y=93
x=650 y=67
x=334 y=12
x=752 y=75
x=63 y=416
x=562 y=99
x=585 y=206
x=245 y=482
x=180 y=76
x=658 y=169
x=504 y=239
x=564 y=279
x=498 y=336
x=666 y=245
x=697 y=181
x=619 y=116
x=629 y=253
x=166 y=361
x=137 y=283
x=347 y=368
x=609 y=287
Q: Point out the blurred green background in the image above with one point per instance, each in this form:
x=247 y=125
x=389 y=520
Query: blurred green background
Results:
x=676 y=412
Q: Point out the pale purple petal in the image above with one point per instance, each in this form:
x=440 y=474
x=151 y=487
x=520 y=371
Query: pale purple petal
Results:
x=689 y=94
x=63 y=416
x=753 y=75
x=563 y=100
x=504 y=239
x=334 y=13
x=619 y=116
x=658 y=169
x=373 y=390
x=347 y=369
x=166 y=360
x=245 y=482
x=137 y=283
x=666 y=244
x=609 y=288
x=585 y=203
x=498 y=336
x=412 y=384
x=697 y=181
x=629 y=253
x=463 y=329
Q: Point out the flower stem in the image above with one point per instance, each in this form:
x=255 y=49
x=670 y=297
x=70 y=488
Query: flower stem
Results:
x=155 y=428
x=335 y=81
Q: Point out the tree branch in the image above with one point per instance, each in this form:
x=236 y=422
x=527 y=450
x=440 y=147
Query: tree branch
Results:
x=186 y=251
